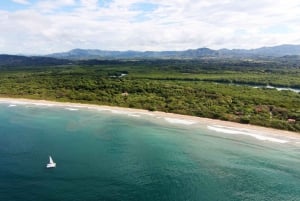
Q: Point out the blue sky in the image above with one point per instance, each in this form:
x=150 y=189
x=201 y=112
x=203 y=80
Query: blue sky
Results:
x=46 y=26
x=12 y=6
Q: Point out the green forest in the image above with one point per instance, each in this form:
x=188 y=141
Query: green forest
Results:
x=206 y=88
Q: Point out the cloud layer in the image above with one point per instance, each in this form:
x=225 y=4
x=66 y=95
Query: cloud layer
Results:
x=41 y=27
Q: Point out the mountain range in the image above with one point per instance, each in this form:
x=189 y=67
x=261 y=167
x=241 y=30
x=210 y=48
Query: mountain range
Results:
x=16 y=60
x=275 y=51
x=284 y=53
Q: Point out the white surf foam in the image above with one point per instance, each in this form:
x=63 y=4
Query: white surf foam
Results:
x=128 y=113
x=118 y=112
x=247 y=132
x=146 y=114
x=43 y=104
x=134 y=115
x=71 y=109
x=16 y=102
x=179 y=121
x=13 y=102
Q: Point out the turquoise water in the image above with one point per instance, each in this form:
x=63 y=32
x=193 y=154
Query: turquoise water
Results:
x=105 y=156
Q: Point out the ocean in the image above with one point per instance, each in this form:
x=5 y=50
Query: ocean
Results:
x=108 y=155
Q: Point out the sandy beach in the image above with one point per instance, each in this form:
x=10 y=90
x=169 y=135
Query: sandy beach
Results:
x=261 y=133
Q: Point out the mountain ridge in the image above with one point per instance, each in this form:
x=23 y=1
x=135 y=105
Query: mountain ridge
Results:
x=17 y=60
x=274 y=51
x=282 y=52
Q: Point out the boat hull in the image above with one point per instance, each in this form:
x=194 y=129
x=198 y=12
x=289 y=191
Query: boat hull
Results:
x=51 y=165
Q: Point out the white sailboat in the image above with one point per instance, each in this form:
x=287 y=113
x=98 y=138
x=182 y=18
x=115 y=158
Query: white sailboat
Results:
x=51 y=164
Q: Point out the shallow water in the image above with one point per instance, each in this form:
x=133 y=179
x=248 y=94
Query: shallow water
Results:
x=105 y=155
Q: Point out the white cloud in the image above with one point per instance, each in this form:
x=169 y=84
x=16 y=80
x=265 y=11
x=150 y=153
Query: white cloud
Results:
x=51 y=5
x=21 y=1
x=89 y=3
x=59 y=25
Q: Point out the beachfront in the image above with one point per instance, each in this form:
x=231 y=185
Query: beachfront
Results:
x=226 y=127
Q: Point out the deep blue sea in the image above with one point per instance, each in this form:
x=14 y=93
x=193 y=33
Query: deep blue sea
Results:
x=111 y=156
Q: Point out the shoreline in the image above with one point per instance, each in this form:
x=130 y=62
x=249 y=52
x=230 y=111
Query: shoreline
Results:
x=169 y=117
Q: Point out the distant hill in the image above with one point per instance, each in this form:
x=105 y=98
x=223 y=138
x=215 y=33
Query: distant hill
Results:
x=276 y=51
x=103 y=54
x=282 y=53
x=15 y=61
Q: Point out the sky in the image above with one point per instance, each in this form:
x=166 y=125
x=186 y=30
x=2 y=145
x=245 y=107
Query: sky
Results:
x=42 y=27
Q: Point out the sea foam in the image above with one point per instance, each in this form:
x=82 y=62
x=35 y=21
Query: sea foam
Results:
x=134 y=115
x=179 y=121
x=247 y=132
x=71 y=109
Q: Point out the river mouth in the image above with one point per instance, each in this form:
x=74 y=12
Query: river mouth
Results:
x=279 y=88
x=296 y=90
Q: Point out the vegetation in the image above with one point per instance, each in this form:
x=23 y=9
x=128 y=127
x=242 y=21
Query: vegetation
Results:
x=206 y=88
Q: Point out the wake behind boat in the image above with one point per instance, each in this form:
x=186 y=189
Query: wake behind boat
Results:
x=51 y=163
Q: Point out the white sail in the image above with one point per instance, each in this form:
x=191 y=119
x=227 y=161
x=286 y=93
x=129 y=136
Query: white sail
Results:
x=51 y=163
x=50 y=160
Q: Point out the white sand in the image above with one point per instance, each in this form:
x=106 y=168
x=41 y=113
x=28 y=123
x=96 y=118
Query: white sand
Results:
x=217 y=125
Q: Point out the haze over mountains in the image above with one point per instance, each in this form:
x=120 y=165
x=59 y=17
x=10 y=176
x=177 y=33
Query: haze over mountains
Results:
x=276 y=51
x=290 y=52
x=16 y=61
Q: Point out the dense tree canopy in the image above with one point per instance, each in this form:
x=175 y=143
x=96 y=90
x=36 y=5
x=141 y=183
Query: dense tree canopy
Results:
x=200 y=88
